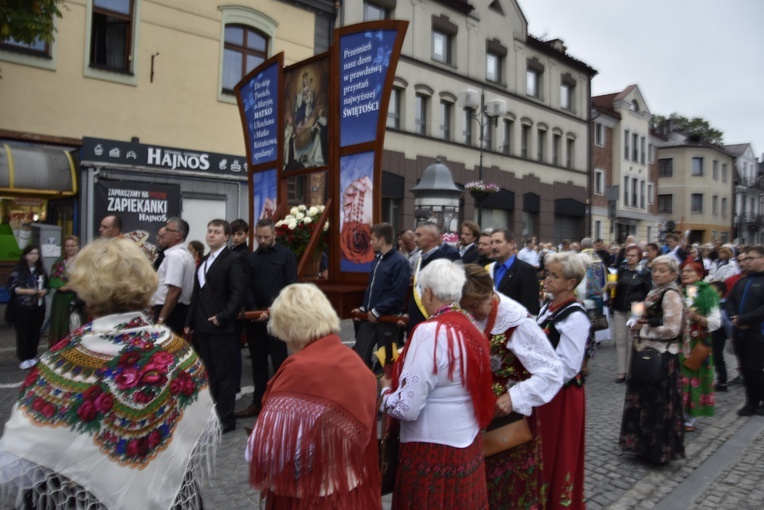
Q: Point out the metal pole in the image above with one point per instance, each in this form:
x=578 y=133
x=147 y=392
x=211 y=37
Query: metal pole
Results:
x=480 y=168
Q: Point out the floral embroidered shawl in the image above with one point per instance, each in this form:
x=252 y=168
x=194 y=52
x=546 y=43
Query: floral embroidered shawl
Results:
x=117 y=414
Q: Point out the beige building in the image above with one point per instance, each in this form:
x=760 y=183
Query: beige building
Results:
x=695 y=187
x=535 y=134
x=624 y=168
x=141 y=78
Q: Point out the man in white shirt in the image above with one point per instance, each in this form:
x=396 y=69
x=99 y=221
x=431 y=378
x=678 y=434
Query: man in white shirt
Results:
x=176 y=278
x=528 y=253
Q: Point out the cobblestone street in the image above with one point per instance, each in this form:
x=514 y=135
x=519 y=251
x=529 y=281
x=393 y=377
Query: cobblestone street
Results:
x=723 y=469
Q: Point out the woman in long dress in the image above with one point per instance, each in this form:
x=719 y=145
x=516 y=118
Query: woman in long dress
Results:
x=526 y=374
x=441 y=393
x=61 y=311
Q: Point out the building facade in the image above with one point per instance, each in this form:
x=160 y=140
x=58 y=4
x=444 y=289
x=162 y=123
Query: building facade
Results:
x=749 y=195
x=140 y=77
x=695 y=187
x=624 y=179
x=537 y=151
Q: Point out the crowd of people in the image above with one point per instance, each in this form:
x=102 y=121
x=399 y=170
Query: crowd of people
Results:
x=479 y=352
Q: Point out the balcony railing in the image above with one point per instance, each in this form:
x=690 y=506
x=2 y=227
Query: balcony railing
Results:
x=752 y=182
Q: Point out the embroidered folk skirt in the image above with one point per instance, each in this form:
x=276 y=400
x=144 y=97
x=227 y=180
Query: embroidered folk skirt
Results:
x=698 y=385
x=563 y=429
x=652 y=423
x=438 y=477
x=513 y=477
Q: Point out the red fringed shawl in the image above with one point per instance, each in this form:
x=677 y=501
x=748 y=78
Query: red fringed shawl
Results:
x=316 y=438
x=476 y=374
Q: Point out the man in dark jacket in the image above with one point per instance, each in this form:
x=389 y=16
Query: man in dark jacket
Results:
x=218 y=294
x=270 y=268
x=513 y=277
x=468 y=238
x=746 y=308
x=386 y=294
x=427 y=239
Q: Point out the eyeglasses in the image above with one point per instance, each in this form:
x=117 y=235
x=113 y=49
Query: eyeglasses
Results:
x=168 y=229
x=748 y=259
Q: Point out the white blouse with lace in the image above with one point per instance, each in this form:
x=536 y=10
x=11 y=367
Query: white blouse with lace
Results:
x=432 y=408
x=531 y=347
x=574 y=331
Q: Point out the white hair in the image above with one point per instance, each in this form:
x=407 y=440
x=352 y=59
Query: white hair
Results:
x=444 y=278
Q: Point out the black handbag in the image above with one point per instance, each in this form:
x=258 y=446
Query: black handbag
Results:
x=648 y=366
x=598 y=322
x=388 y=452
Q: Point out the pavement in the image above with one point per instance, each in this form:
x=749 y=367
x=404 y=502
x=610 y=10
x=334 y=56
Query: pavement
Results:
x=723 y=470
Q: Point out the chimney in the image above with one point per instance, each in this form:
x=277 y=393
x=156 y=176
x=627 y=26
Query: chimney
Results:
x=558 y=45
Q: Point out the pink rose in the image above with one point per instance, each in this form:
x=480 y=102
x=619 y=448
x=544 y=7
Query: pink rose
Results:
x=143 y=397
x=104 y=402
x=188 y=387
x=162 y=358
x=38 y=404
x=87 y=411
x=132 y=448
x=126 y=379
x=153 y=375
x=155 y=437
x=48 y=410
x=92 y=392
x=31 y=377
x=128 y=359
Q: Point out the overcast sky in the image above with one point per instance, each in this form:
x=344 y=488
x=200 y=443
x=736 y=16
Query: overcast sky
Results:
x=699 y=58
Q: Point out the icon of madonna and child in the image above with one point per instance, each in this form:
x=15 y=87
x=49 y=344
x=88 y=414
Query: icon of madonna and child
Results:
x=306 y=116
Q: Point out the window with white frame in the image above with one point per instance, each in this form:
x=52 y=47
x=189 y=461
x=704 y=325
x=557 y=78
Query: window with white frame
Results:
x=374 y=12
x=445 y=120
x=650 y=194
x=566 y=97
x=696 y=202
x=635 y=147
x=38 y=48
x=597 y=229
x=715 y=170
x=626 y=142
x=509 y=128
x=599 y=182
x=533 y=77
x=394 y=109
x=724 y=172
x=715 y=205
x=441 y=46
x=556 y=148
x=697 y=167
x=724 y=206
x=492 y=67
x=599 y=134
x=420 y=114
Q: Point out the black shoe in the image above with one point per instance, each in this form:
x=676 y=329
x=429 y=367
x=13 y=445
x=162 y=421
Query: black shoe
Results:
x=746 y=411
x=721 y=387
x=229 y=428
x=620 y=380
x=737 y=381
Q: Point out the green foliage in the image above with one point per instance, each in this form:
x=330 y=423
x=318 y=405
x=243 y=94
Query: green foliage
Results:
x=694 y=126
x=26 y=20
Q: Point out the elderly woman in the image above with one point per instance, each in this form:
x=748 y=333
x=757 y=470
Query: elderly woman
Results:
x=723 y=267
x=526 y=374
x=441 y=393
x=651 y=426
x=632 y=285
x=27 y=284
x=703 y=318
x=62 y=299
x=566 y=324
x=116 y=415
x=315 y=442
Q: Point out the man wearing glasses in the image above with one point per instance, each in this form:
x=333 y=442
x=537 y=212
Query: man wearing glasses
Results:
x=176 y=278
x=746 y=309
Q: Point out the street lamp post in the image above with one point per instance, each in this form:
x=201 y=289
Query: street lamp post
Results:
x=483 y=113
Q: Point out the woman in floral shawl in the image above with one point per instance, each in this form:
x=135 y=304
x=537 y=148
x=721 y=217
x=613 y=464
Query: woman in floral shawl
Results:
x=526 y=374
x=116 y=415
x=703 y=318
x=62 y=299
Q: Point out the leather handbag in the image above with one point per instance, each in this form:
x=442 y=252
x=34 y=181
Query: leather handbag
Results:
x=388 y=452
x=697 y=356
x=504 y=433
x=598 y=323
x=648 y=366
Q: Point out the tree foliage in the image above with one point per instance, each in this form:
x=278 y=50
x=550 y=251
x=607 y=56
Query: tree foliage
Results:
x=694 y=126
x=27 y=20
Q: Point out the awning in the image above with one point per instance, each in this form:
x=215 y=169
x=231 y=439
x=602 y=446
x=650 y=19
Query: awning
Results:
x=35 y=170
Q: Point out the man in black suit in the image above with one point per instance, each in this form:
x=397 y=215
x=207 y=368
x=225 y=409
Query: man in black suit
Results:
x=212 y=318
x=427 y=239
x=469 y=234
x=513 y=277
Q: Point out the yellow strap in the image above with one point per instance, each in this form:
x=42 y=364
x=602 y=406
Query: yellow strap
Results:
x=72 y=170
x=11 y=173
x=417 y=297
